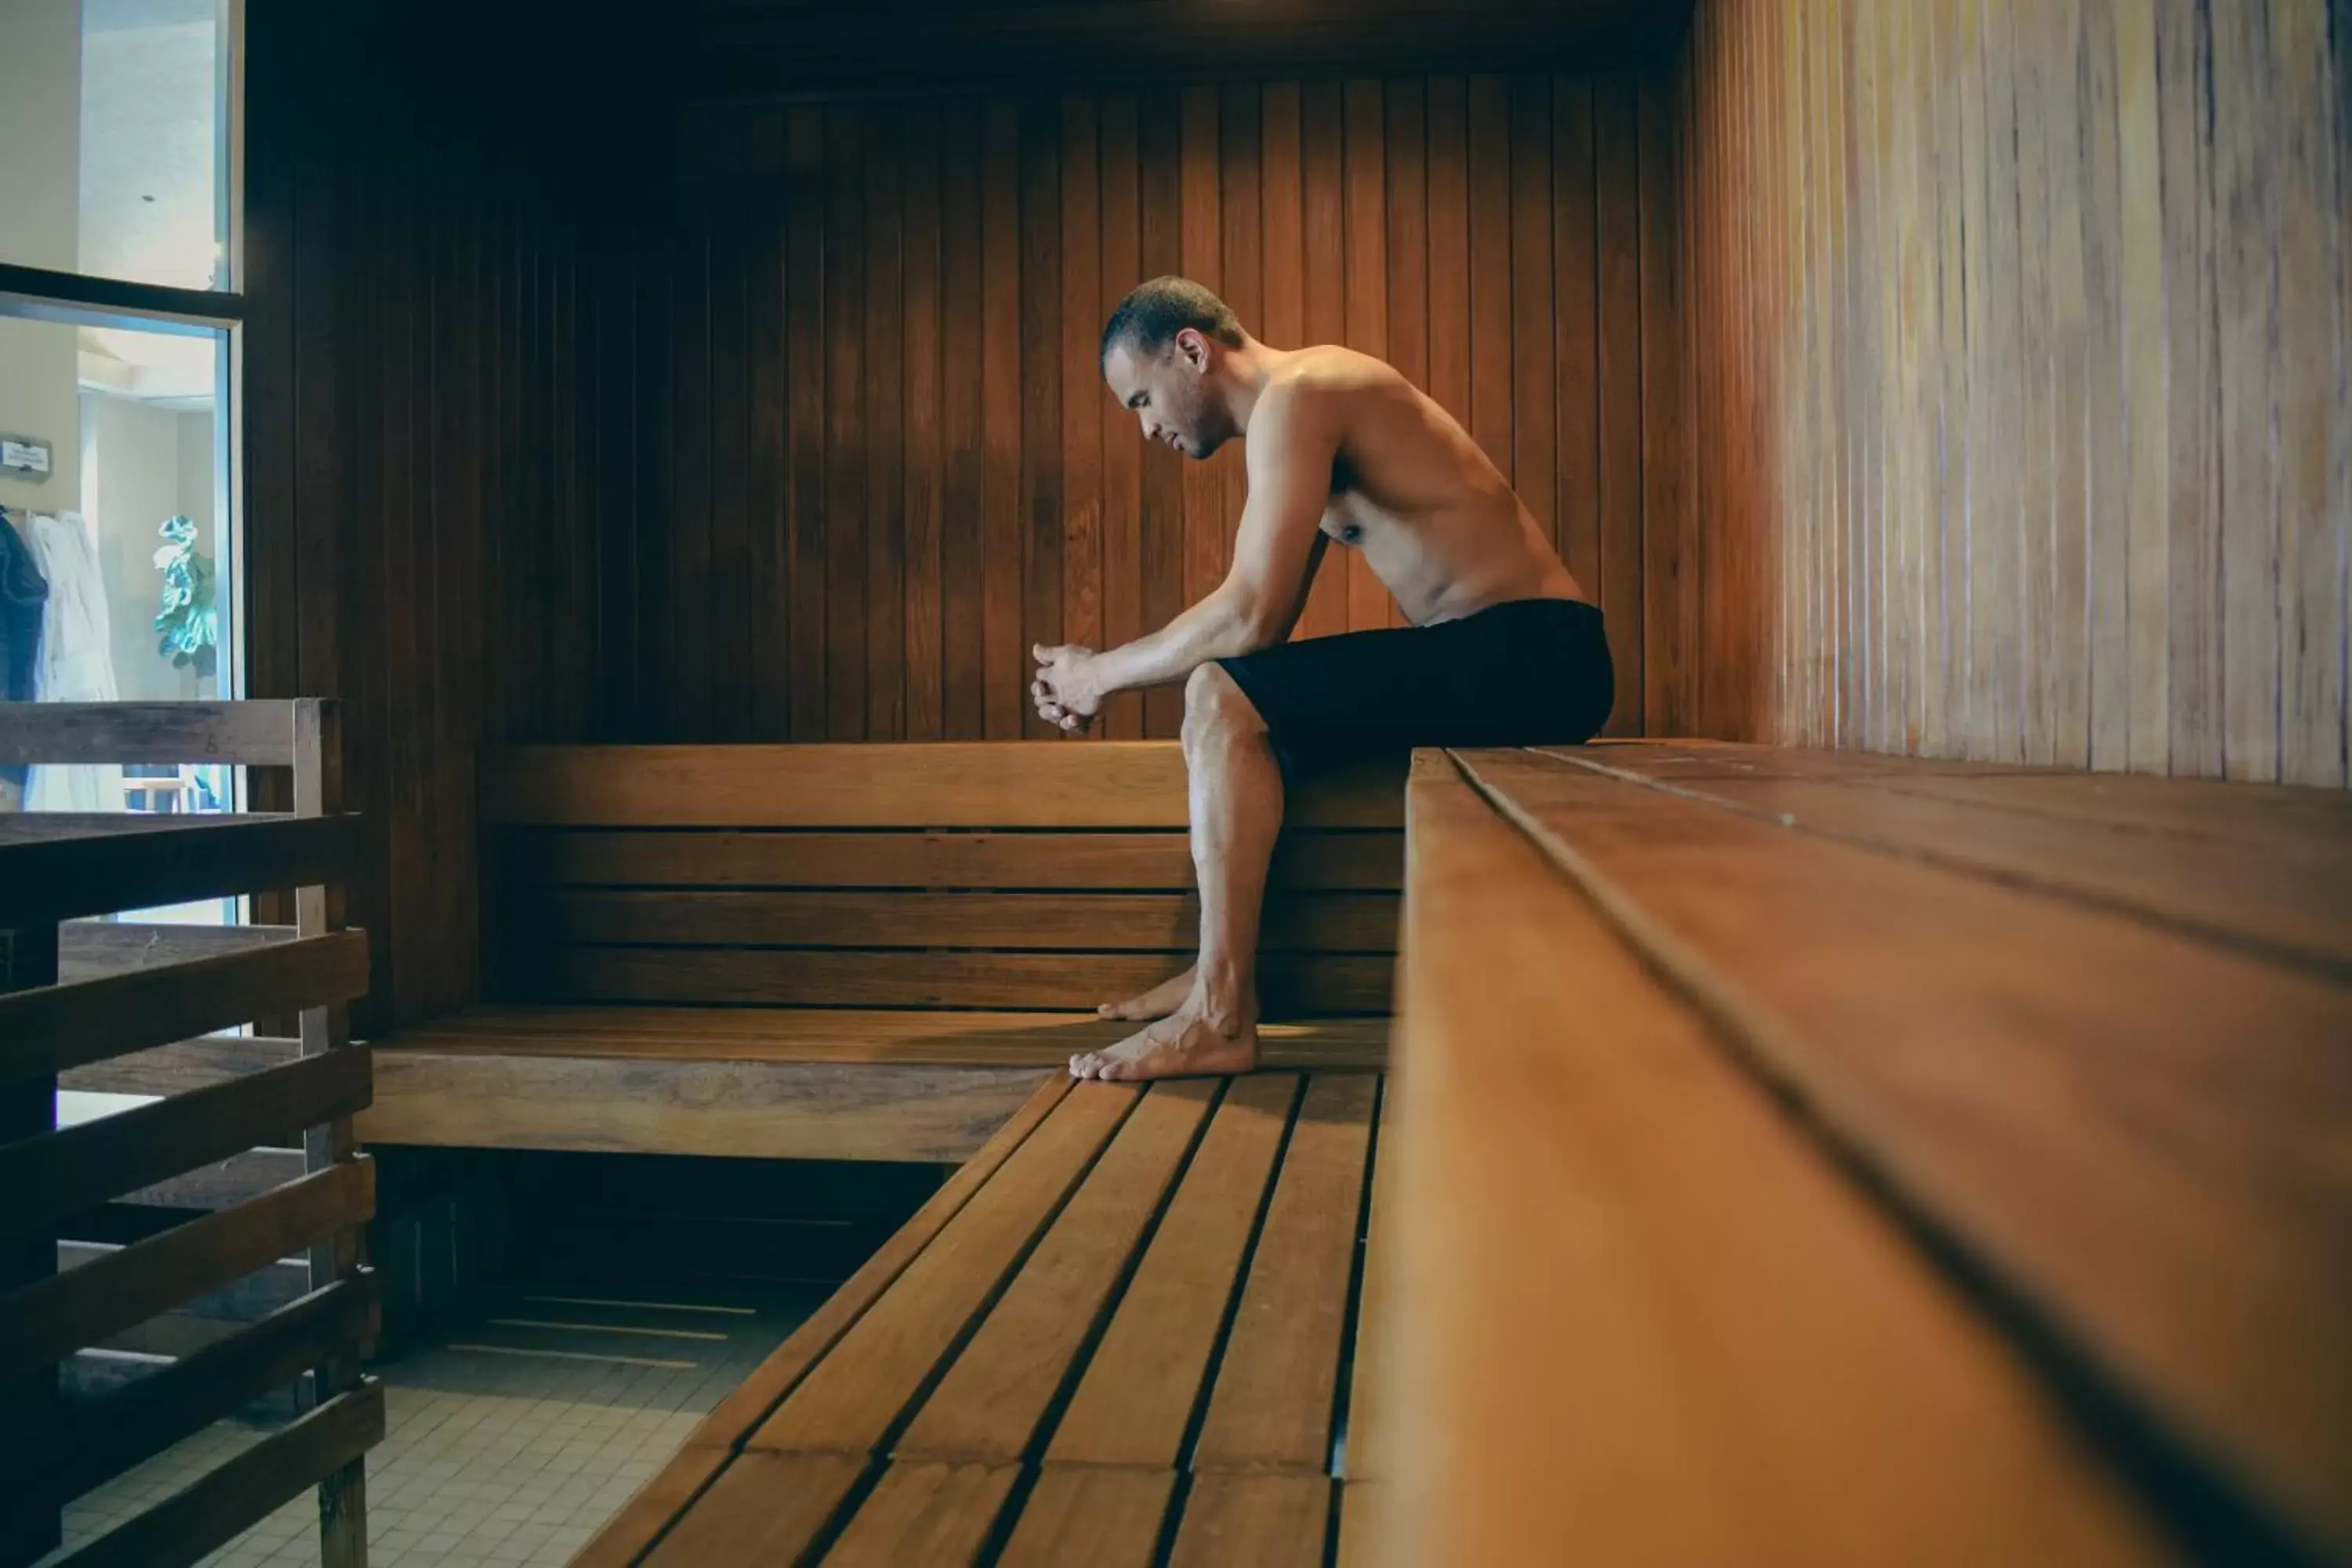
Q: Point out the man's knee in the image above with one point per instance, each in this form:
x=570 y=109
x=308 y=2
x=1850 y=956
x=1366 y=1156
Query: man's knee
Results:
x=1216 y=708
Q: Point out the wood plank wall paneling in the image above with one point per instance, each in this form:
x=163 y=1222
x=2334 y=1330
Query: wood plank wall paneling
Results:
x=436 y=532
x=801 y=438
x=892 y=466
x=2017 y=383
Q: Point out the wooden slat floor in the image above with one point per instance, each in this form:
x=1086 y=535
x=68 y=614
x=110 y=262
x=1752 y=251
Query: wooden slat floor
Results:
x=1122 y=1328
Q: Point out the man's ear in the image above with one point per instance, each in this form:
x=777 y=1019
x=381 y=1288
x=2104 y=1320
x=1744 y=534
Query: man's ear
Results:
x=1193 y=348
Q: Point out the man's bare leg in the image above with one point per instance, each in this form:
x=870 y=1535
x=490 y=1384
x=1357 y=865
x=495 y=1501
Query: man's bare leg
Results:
x=1236 y=809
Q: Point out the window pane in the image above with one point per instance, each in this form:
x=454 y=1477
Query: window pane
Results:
x=111 y=114
x=123 y=528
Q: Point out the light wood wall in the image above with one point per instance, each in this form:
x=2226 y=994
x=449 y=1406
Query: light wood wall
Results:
x=2016 y=378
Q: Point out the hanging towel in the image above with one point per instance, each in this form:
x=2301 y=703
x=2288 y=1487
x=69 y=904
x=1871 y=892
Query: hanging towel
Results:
x=22 y=592
x=77 y=661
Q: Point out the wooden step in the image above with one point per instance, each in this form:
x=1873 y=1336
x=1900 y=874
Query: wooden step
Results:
x=1623 y=1294
x=2127 y=1132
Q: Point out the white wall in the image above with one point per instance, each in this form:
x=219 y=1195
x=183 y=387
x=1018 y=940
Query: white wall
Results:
x=40 y=120
x=196 y=474
x=140 y=473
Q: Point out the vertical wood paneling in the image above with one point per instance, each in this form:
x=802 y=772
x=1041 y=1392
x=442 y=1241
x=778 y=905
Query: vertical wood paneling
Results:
x=1618 y=223
x=2311 y=501
x=1948 y=726
x=1241 y=264
x=1867 y=156
x=2145 y=421
x=729 y=413
x=2095 y=711
x=2050 y=272
x=2005 y=609
x=436 y=535
x=804 y=440
x=1162 y=239
x=845 y=351
x=2245 y=214
x=1534 y=376
x=689 y=435
x=963 y=536
x=1406 y=149
x=1576 y=324
x=767 y=406
x=1201 y=484
x=805 y=560
x=1369 y=604
x=1122 y=449
x=1323 y=196
x=885 y=458
x=1449 y=246
x=2192 y=370
x=925 y=493
x=891 y=465
x=1282 y=190
x=1082 y=412
x=404 y=399
x=649 y=421
x=1490 y=269
x=1002 y=547
x=1041 y=397
x=2016 y=342
x=1669 y=543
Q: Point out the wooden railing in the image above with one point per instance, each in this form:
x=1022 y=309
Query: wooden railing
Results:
x=56 y=868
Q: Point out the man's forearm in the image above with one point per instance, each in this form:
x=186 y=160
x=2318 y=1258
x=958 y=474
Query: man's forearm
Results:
x=1214 y=628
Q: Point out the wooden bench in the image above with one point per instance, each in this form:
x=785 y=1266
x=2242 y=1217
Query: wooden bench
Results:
x=1786 y=1179
x=856 y=951
x=1941 y=1162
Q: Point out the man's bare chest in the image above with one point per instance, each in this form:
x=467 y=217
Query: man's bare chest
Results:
x=1349 y=515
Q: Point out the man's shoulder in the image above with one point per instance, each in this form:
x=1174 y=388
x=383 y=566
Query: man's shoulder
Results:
x=1329 y=371
x=1322 y=383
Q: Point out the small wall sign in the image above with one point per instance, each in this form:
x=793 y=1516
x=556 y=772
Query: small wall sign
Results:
x=21 y=455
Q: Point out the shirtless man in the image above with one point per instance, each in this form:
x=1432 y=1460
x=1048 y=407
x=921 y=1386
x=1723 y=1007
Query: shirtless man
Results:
x=1504 y=648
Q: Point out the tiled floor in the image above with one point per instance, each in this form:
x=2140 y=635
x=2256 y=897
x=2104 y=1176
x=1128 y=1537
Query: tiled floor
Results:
x=512 y=1439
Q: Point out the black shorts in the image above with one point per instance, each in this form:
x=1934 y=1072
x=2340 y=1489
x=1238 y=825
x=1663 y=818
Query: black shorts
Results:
x=1532 y=673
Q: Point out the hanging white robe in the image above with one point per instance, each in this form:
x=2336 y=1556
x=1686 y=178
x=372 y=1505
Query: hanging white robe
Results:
x=77 y=662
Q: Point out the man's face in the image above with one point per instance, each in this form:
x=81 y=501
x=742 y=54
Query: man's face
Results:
x=1170 y=395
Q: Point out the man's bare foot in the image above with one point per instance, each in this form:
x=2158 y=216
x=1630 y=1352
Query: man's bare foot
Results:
x=1186 y=1045
x=1156 y=1002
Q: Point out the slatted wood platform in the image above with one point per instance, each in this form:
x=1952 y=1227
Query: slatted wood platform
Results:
x=1127 y=1320
x=1943 y=1163
x=1784 y=1158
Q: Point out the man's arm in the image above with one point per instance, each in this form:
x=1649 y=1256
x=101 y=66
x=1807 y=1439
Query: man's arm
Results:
x=1276 y=551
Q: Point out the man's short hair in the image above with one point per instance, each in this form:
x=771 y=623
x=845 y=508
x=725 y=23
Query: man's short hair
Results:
x=1149 y=318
